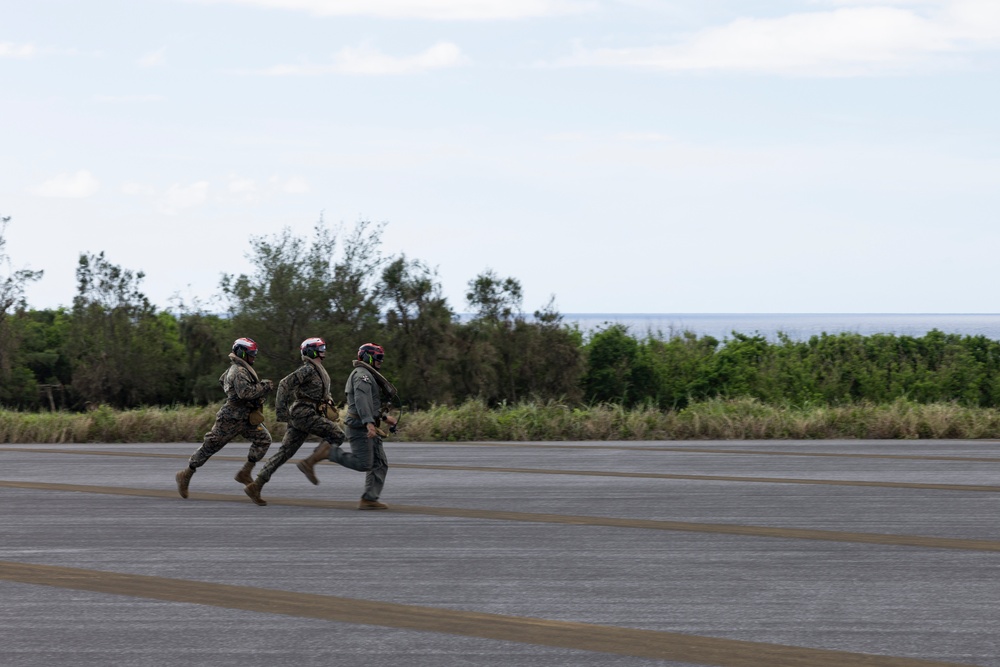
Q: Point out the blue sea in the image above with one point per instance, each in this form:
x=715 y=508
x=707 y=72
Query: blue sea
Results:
x=797 y=326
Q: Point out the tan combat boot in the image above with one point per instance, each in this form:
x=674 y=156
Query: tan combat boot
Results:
x=183 y=479
x=253 y=490
x=371 y=505
x=243 y=476
x=307 y=464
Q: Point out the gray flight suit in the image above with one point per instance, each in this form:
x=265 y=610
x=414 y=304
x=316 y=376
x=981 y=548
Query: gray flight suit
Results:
x=364 y=404
x=244 y=394
x=306 y=417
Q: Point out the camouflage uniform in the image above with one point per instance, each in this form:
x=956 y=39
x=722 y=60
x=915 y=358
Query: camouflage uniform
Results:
x=244 y=394
x=364 y=405
x=306 y=416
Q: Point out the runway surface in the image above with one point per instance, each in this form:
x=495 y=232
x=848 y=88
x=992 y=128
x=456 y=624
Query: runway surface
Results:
x=736 y=554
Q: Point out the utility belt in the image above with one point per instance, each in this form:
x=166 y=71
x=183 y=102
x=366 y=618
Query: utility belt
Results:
x=321 y=407
x=354 y=421
x=249 y=405
x=256 y=416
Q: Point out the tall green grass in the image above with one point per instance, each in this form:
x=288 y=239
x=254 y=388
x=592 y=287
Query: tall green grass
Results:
x=715 y=419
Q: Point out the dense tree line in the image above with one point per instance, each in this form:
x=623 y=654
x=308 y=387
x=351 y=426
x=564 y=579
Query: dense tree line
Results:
x=829 y=369
x=113 y=347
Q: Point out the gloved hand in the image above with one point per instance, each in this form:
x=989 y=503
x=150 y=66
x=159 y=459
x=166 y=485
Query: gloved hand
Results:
x=268 y=384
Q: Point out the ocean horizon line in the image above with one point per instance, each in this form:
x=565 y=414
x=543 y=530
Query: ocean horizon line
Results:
x=725 y=313
x=796 y=326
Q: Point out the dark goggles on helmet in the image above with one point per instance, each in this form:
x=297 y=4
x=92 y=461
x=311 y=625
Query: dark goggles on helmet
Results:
x=378 y=356
x=318 y=348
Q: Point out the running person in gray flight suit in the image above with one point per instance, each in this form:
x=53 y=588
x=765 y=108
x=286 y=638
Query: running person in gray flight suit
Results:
x=241 y=414
x=311 y=413
x=365 y=389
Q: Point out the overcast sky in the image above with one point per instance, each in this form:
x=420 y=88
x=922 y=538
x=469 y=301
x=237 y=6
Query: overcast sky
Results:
x=623 y=156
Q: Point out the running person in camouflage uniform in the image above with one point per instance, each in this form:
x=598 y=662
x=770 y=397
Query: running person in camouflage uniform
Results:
x=241 y=414
x=365 y=390
x=311 y=413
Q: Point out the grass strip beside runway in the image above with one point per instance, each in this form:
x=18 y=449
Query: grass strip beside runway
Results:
x=541 y=445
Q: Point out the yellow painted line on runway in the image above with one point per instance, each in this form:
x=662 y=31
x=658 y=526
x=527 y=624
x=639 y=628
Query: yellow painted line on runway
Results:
x=657 y=645
x=924 y=486
x=532 y=517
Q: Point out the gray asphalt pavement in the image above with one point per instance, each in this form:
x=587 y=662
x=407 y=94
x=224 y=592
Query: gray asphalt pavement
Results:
x=737 y=554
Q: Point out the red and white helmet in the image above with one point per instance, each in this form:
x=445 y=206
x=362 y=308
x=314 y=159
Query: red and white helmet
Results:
x=370 y=353
x=244 y=348
x=311 y=347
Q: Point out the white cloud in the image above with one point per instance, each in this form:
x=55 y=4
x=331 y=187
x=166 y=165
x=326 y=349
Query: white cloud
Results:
x=974 y=20
x=29 y=50
x=138 y=190
x=645 y=137
x=567 y=137
x=75 y=186
x=238 y=190
x=442 y=10
x=365 y=60
x=242 y=190
x=242 y=186
x=178 y=197
x=11 y=50
x=291 y=186
x=248 y=190
x=880 y=3
x=153 y=58
x=852 y=40
x=129 y=99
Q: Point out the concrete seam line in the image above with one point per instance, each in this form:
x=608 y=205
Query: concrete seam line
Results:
x=564 y=634
x=565 y=519
x=988 y=488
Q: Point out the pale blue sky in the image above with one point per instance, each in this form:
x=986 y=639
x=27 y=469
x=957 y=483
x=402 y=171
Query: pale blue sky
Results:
x=623 y=156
